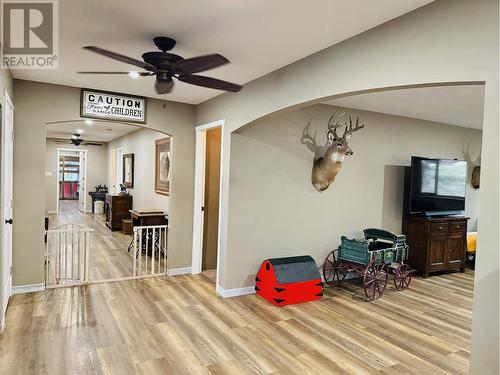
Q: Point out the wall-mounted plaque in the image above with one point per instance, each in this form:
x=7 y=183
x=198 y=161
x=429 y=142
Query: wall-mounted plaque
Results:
x=112 y=106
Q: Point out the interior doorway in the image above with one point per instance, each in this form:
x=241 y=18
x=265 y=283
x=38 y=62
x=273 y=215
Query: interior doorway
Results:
x=120 y=235
x=211 y=203
x=207 y=200
x=71 y=173
x=69 y=177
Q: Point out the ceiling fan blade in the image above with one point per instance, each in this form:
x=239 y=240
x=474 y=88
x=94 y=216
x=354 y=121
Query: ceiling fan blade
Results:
x=122 y=58
x=164 y=87
x=142 y=74
x=91 y=144
x=212 y=83
x=199 y=64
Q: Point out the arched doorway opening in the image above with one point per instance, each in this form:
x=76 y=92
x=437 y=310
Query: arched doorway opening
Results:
x=107 y=198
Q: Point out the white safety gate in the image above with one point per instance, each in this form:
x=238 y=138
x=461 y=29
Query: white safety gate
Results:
x=149 y=250
x=67 y=255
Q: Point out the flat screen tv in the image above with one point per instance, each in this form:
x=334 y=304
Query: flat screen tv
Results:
x=435 y=187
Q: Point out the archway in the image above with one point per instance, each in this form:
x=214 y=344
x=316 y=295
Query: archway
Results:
x=110 y=217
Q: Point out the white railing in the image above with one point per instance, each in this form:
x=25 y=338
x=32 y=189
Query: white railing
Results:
x=149 y=250
x=67 y=256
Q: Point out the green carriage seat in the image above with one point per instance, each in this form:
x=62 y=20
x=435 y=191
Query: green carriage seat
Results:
x=383 y=238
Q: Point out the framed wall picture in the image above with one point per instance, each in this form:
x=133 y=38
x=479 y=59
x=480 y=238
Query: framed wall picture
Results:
x=128 y=171
x=162 y=166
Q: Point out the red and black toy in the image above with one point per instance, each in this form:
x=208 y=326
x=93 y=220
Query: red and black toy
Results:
x=285 y=281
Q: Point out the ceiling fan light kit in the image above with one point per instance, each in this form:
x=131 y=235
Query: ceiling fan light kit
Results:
x=166 y=66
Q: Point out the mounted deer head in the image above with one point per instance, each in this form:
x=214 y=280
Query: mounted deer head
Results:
x=326 y=167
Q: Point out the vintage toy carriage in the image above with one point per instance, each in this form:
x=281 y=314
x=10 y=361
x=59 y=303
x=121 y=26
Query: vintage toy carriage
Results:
x=374 y=257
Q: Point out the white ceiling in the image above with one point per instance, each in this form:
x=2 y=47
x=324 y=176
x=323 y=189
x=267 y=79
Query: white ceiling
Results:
x=97 y=131
x=454 y=105
x=258 y=36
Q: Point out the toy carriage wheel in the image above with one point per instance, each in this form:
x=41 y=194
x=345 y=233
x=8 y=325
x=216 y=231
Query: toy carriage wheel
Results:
x=375 y=280
x=334 y=271
x=402 y=276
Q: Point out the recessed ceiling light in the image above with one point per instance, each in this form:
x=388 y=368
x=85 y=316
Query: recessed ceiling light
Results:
x=133 y=74
x=89 y=122
x=80 y=131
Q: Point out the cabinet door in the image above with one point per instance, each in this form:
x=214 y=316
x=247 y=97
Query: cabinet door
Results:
x=456 y=251
x=437 y=250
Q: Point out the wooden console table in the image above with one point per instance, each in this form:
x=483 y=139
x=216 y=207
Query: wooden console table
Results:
x=143 y=218
x=97 y=196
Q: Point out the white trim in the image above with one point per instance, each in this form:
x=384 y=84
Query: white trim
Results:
x=178 y=271
x=60 y=151
x=228 y=293
x=199 y=194
x=28 y=288
x=52 y=211
x=5 y=290
x=84 y=189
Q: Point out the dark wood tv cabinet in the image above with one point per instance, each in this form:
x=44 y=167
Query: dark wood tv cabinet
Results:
x=436 y=243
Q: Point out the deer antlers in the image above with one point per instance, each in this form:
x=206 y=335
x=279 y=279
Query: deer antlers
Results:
x=349 y=129
x=333 y=124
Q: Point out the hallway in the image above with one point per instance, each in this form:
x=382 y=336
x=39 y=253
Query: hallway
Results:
x=109 y=258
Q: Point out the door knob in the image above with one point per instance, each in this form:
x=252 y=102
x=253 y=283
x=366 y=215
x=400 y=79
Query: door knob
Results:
x=10 y=221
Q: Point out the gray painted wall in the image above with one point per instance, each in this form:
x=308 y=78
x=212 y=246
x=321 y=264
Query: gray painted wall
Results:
x=142 y=144
x=274 y=209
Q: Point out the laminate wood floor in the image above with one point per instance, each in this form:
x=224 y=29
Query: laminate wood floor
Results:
x=210 y=275
x=177 y=325
x=109 y=257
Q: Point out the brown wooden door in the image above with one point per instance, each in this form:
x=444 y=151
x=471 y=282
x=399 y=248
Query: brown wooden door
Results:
x=456 y=250
x=437 y=250
x=211 y=202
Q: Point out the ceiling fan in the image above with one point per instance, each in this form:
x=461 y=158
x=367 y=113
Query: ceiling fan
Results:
x=77 y=141
x=166 y=66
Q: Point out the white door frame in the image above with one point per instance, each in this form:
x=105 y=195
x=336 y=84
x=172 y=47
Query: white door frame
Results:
x=59 y=152
x=118 y=169
x=5 y=290
x=199 y=192
x=83 y=189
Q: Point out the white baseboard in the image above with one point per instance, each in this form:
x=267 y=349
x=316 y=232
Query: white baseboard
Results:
x=52 y=211
x=178 y=271
x=29 y=288
x=228 y=293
